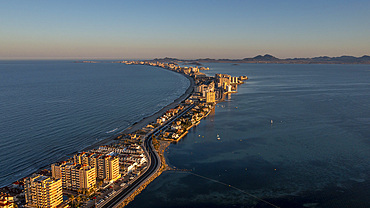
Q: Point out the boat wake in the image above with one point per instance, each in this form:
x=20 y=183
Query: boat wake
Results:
x=111 y=131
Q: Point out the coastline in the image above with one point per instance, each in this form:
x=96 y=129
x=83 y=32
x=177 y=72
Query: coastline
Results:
x=134 y=127
x=198 y=108
x=163 y=145
x=140 y=120
x=146 y=120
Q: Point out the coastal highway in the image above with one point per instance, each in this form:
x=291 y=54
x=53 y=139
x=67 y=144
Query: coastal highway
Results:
x=155 y=164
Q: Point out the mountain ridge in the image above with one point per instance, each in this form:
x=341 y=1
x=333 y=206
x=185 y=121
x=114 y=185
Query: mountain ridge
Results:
x=267 y=58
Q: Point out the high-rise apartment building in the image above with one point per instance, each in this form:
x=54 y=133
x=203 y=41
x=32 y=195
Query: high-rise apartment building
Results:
x=210 y=97
x=223 y=80
x=234 y=80
x=106 y=165
x=90 y=159
x=108 y=168
x=74 y=176
x=43 y=191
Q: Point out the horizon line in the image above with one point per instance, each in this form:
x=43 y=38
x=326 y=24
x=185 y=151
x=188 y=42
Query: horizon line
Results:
x=121 y=58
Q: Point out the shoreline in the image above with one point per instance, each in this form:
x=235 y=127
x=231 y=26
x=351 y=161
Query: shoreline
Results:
x=201 y=110
x=134 y=127
x=146 y=120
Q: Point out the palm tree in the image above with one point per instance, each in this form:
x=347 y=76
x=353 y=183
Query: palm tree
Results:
x=72 y=198
x=92 y=189
x=100 y=183
x=78 y=198
x=83 y=198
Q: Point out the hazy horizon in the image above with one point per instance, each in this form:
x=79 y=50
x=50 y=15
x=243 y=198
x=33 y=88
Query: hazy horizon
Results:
x=183 y=29
x=122 y=58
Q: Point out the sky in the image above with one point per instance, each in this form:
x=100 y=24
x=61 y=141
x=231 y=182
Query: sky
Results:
x=185 y=29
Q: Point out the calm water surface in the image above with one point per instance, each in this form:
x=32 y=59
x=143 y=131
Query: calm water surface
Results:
x=53 y=108
x=314 y=153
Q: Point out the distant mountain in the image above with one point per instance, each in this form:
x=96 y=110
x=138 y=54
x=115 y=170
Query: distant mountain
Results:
x=166 y=59
x=267 y=58
x=342 y=59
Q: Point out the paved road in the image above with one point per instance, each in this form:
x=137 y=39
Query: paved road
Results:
x=155 y=164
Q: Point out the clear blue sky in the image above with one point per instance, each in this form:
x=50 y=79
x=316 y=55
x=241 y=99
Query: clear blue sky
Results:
x=183 y=29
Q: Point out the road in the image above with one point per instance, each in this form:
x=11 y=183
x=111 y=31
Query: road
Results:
x=155 y=164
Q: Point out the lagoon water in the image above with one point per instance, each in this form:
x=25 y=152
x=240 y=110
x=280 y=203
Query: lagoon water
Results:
x=294 y=136
x=50 y=109
x=314 y=153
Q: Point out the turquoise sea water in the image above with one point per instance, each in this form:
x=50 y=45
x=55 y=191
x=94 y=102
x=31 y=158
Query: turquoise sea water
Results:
x=49 y=109
x=314 y=153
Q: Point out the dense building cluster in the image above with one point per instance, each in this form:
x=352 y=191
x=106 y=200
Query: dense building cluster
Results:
x=82 y=172
x=207 y=92
x=210 y=89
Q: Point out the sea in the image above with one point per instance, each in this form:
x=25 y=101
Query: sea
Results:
x=292 y=136
x=52 y=109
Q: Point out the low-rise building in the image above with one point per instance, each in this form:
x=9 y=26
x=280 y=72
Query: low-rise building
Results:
x=6 y=201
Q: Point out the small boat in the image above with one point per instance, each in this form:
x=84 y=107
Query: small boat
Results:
x=272 y=121
x=218 y=138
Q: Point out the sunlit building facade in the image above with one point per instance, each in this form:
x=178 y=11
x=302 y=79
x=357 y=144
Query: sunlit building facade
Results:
x=43 y=191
